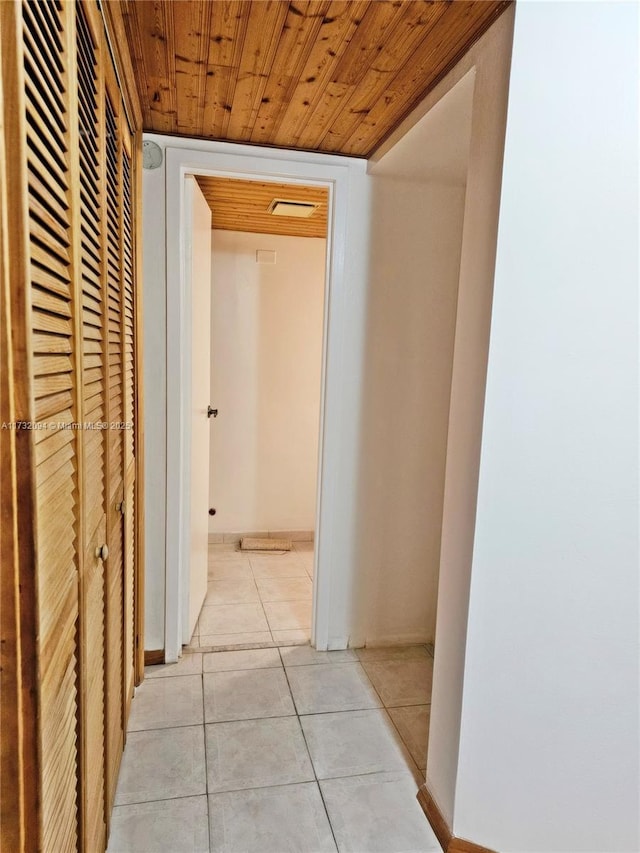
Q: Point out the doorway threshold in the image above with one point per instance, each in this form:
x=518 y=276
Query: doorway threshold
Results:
x=256 y=600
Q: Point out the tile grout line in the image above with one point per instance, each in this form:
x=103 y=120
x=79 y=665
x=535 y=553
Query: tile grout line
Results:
x=313 y=767
x=262 y=605
x=163 y=800
x=206 y=757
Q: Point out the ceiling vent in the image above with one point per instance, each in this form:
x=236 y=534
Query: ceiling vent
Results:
x=287 y=207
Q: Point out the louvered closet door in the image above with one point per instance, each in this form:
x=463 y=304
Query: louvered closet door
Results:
x=129 y=405
x=114 y=672
x=94 y=436
x=46 y=28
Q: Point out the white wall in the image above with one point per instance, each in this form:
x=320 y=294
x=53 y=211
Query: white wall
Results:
x=549 y=747
x=488 y=60
x=266 y=359
x=418 y=192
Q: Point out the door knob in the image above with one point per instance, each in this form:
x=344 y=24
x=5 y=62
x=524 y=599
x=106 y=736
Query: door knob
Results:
x=102 y=552
x=212 y=412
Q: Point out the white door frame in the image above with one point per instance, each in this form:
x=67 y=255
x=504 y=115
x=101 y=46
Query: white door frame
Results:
x=180 y=163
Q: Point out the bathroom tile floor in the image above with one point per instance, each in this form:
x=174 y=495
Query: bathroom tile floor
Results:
x=256 y=743
x=277 y=750
x=256 y=599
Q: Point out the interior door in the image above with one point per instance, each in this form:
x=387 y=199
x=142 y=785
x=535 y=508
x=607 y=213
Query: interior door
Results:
x=47 y=56
x=198 y=261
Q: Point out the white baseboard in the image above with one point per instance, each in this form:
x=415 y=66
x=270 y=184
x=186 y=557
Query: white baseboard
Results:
x=415 y=639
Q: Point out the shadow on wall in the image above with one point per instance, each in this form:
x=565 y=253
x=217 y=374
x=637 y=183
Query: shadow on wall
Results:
x=416 y=242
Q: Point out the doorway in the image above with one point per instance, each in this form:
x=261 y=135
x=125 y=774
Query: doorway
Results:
x=337 y=179
x=267 y=256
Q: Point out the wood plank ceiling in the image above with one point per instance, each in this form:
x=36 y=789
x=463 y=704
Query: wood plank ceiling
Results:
x=243 y=206
x=325 y=75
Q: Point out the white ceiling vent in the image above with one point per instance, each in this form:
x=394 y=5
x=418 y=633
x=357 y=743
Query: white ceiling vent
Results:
x=287 y=207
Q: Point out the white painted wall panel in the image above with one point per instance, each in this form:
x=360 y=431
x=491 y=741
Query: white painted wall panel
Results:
x=548 y=757
x=266 y=360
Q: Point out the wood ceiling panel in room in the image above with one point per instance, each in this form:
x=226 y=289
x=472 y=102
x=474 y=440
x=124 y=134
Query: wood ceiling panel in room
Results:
x=243 y=206
x=321 y=75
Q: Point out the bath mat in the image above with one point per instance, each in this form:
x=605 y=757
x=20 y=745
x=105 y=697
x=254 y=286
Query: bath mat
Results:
x=248 y=544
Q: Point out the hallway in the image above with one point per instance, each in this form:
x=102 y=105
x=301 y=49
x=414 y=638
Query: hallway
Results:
x=278 y=749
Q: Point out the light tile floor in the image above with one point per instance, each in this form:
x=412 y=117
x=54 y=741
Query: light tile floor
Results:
x=277 y=750
x=256 y=599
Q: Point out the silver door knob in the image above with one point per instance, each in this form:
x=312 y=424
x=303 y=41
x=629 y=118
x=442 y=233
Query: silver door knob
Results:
x=102 y=552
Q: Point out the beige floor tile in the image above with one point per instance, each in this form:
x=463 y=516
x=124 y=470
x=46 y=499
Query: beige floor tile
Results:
x=162 y=764
x=230 y=570
x=256 y=754
x=413 y=724
x=393 y=653
x=164 y=826
x=292 y=638
x=378 y=814
x=226 y=553
x=222 y=547
x=286 y=819
x=306 y=558
x=246 y=695
x=277 y=566
x=285 y=589
x=402 y=682
x=232 y=619
x=249 y=659
x=163 y=703
x=334 y=687
x=354 y=743
x=231 y=592
x=227 y=642
x=189 y=664
x=288 y=615
x=306 y=656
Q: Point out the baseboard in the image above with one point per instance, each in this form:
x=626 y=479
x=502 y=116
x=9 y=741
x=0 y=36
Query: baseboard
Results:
x=441 y=829
x=415 y=639
x=153 y=657
x=435 y=818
